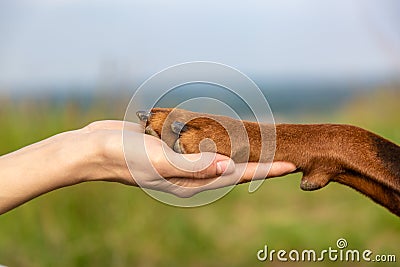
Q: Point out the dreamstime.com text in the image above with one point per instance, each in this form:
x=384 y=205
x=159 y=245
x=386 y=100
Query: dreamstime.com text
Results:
x=339 y=253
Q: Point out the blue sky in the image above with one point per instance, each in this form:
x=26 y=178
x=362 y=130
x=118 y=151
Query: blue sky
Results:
x=121 y=41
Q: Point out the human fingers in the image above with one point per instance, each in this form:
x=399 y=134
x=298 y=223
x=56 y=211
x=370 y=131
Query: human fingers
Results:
x=195 y=166
x=244 y=172
x=281 y=168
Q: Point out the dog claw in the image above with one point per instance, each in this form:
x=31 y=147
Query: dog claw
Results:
x=178 y=127
x=143 y=115
x=148 y=130
x=178 y=148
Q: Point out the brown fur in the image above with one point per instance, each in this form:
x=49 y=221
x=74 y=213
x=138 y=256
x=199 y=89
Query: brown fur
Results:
x=322 y=152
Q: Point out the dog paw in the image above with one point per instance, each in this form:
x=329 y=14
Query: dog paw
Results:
x=191 y=132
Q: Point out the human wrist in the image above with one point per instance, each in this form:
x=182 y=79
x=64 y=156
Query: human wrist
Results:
x=71 y=155
x=104 y=158
x=85 y=156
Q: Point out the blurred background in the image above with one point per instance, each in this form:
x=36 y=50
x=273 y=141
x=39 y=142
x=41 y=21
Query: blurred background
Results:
x=66 y=63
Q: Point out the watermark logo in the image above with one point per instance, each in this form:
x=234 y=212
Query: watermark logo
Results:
x=338 y=253
x=341 y=243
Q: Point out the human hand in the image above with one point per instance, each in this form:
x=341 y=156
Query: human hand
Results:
x=154 y=165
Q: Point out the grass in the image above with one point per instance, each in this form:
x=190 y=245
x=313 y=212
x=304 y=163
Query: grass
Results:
x=104 y=224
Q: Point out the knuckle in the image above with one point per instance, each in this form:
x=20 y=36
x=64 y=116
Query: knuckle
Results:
x=95 y=126
x=184 y=193
x=92 y=126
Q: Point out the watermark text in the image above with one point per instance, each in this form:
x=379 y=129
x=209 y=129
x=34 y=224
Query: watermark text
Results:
x=338 y=253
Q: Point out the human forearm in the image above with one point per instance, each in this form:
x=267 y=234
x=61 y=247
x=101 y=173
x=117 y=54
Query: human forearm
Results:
x=56 y=162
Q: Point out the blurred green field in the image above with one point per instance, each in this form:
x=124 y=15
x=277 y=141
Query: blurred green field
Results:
x=104 y=224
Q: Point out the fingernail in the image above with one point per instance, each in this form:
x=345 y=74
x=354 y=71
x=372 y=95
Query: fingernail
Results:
x=222 y=166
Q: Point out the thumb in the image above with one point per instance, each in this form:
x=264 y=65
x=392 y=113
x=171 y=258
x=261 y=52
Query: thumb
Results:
x=201 y=165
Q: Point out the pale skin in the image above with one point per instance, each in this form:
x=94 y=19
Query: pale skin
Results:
x=96 y=153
